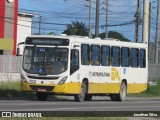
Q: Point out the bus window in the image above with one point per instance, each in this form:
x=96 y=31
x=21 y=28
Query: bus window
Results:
x=85 y=54
x=142 y=60
x=27 y=60
x=115 y=59
x=105 y=54
x=134 y=57
x=125 y=57
x=95 y=57
x=74 y=61
x=52 y=60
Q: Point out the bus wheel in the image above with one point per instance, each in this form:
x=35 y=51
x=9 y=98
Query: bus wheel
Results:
x=88 y=97
x=42 y=96
x=80 y=97
x=113 y=97
x=122 y=94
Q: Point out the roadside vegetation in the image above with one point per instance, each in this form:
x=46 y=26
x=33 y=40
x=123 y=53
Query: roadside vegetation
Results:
x=12 y=90
x=80 y=29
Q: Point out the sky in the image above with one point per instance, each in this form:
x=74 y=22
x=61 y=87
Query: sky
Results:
x=55 y=14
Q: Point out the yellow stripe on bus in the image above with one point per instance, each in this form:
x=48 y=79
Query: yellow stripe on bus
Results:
x=68 y=88
x=136 y=88
x=115 y=88
x=104 y=88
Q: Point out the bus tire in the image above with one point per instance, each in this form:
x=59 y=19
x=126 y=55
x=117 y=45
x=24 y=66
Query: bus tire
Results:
x=42 y=96
x=80 y=97
x=113 y=97
x=122 y=94
x=88 y=97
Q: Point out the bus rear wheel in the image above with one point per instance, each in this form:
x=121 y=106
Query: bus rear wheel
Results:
x=81 y=97
x=113 y=97
x=42 y=96
x=122 y=94
x=88 y=97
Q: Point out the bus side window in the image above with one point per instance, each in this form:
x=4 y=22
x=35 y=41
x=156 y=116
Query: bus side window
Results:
x=105 y=55
x=115 y=56
x=74 y=61
x=142 y=58
x=125 y=54
x=95 y=55
x=85 y=54
x=134 y=57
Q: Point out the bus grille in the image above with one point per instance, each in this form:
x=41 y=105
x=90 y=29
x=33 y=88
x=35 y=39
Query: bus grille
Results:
x=48 y=88
x=44 y=78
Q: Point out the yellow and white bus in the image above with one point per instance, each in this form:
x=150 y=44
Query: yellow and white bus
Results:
x=83 y=67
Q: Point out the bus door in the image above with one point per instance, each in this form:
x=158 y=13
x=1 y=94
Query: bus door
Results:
x=74 y=62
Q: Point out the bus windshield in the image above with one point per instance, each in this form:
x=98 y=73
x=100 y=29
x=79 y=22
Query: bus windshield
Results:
x=45 y=60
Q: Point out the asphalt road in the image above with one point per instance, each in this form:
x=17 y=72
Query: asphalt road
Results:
x=68 y=104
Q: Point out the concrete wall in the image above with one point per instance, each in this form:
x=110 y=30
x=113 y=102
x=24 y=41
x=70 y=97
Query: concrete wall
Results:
x=154 y=70
x=9 y=77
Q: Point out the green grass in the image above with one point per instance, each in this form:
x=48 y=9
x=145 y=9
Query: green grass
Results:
x=12 y=90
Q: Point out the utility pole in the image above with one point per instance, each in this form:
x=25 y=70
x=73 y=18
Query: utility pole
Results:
x=107 y=18
x=97 y=18
x=90 y=16
x=40 y=17
x=149 y=23
x=149 y=40
x=157 y=31
x=137 y=15
x=145 y=21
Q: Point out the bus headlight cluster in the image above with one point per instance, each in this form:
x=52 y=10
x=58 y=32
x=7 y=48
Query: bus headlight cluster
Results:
x=62 y=81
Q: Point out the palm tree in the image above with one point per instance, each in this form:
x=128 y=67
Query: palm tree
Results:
x=76 y=28
x=114 y=34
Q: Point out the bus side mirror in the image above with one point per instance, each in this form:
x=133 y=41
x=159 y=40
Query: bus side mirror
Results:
x=18 y=52
x=18 y=49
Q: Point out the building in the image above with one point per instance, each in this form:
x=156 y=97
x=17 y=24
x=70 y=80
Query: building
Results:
x=14 y=26
x=8 y=26
x=24 y=27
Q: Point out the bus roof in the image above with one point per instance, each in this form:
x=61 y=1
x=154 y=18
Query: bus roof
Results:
x=86 y=40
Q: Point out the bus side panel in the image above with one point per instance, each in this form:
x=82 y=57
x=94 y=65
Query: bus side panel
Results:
x=106 y=88
x=68 y=88
x=136 y=79
x=90 y=73
x=136 y=88
x=106 y=84
x=110 y=81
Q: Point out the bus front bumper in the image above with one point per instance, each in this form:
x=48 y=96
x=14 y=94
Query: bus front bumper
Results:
x=67 y=88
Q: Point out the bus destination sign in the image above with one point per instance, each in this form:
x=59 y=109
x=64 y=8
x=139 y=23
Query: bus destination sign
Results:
x=47 y=41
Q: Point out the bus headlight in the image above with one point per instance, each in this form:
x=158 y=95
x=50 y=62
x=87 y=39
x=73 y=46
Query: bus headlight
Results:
x=62 y=81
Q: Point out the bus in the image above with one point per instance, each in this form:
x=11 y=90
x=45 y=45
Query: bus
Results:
x=83 y=67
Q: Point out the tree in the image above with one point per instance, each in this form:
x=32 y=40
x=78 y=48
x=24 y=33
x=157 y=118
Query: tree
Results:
x=76 y=28
x=114 y=34
x=51 y=33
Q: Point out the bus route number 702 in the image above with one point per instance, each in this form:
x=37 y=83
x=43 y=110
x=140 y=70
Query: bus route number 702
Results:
x=32 y=81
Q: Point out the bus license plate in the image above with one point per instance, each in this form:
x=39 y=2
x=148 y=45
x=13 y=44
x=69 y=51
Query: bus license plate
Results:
x=41 y=90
